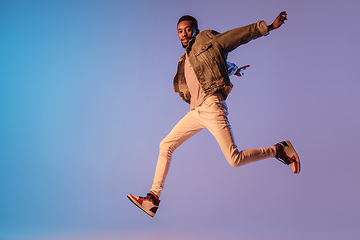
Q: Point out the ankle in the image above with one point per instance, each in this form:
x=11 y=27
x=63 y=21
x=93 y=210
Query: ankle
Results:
x=279 y=149
x=155 y=195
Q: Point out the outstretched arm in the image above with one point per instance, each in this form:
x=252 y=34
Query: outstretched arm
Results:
x=279 y=20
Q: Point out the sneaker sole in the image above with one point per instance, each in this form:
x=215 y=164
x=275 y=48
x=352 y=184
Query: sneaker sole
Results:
x=133 y=200
x=295 y=166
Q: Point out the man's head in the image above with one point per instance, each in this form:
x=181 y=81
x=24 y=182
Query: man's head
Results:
x=187 y=29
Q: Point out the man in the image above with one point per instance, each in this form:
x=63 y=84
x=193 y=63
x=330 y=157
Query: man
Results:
x=202 y=81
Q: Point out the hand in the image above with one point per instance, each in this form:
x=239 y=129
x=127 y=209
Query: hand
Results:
x=279 y=20
x=239 y=72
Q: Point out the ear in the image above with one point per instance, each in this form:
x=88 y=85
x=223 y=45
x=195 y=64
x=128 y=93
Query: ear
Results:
x=197 y=31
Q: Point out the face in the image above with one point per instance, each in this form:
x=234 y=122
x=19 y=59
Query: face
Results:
x=186 y=32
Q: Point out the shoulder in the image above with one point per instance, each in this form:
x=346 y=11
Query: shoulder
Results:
x=204 y=38
x=207 y=34
x=182 y=58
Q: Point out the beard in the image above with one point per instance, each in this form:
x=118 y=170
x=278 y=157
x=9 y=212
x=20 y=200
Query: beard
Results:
x=187 y=39
x=186 y=44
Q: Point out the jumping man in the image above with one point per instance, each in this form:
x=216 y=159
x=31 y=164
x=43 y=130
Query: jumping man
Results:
x=202 y=80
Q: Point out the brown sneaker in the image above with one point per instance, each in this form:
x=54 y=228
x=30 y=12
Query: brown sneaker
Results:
x=286 y=154
x=148 y=204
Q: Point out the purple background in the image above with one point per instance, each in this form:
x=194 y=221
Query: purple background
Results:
x=86 y=97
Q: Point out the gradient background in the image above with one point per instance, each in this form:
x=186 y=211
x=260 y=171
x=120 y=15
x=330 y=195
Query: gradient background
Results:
x=86 y=97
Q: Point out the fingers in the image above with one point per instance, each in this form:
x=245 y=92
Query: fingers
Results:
x=283 y=16
x=240 y=72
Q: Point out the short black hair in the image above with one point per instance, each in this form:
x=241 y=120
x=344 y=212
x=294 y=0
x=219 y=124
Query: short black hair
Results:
x=190 y=18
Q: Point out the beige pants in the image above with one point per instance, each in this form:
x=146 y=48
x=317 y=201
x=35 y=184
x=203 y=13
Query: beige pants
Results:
x=211 y=114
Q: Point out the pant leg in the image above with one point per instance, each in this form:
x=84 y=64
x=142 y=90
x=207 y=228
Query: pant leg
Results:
x=187 y=127
x=213 y=115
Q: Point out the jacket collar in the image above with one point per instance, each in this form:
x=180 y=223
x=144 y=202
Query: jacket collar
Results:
x=191 y=42
x=182 y=58
x=187 y=49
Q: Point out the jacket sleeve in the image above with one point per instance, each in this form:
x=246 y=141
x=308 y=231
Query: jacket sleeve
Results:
x=231 y=68
x=234 y=38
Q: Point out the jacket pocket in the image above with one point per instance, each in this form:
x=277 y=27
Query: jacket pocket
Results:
x=209 y=58
x=203 y=49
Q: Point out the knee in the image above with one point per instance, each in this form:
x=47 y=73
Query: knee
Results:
x=237 y=159
x=234 y=158
x=163 y=145
x=233 y=164
x=166 y=146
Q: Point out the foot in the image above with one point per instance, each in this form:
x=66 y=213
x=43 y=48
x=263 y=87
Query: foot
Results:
x=148 y=204
x=286 y=154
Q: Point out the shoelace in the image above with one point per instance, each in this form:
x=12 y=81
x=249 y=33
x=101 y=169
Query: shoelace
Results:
x=148 y=197
x=284 y=161
x=287 y=160
x=152 y=198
